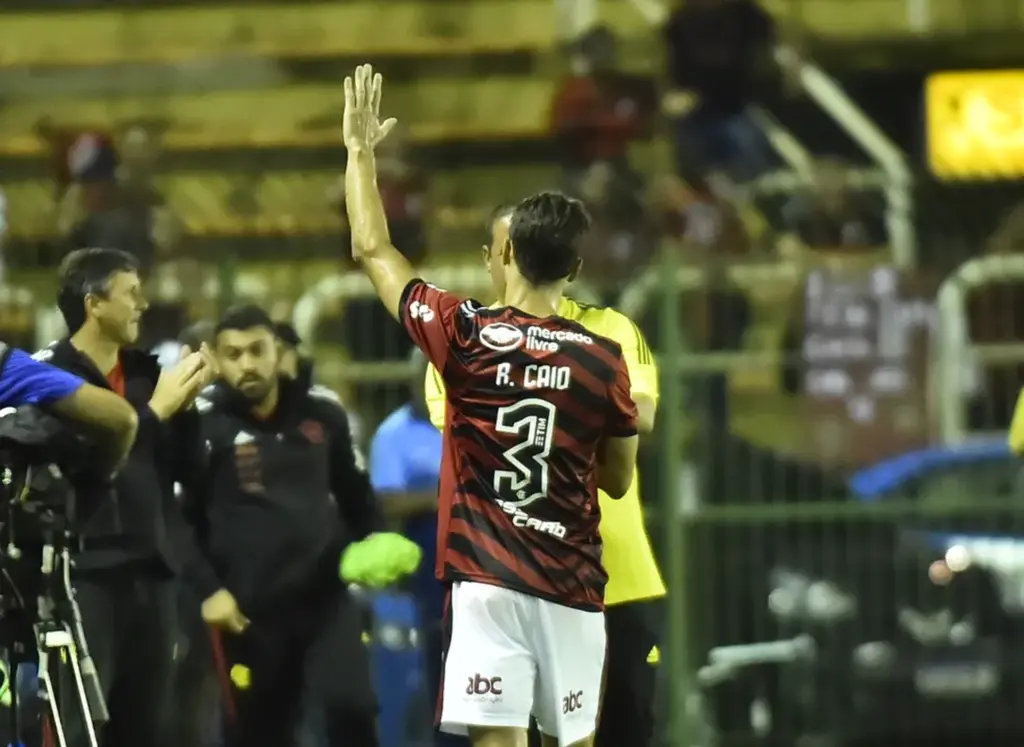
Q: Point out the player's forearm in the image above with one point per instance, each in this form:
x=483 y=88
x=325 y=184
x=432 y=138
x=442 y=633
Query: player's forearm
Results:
x=388 y=270
x=105 y=412
x=366 y=216
x=646 y=409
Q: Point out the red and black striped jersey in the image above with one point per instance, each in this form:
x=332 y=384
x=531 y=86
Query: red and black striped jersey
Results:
x=529 y=401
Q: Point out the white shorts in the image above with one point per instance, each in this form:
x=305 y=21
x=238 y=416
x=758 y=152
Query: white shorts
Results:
x=512 y=655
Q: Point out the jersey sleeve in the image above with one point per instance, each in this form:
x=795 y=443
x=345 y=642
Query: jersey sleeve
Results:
x=26 y=381
x=436 y=396
x=430 y=316
x=621 y=408
x=643 y=370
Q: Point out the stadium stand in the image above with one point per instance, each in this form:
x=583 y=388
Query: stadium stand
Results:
x=313 y=31
x=300 y=116
x=280 y=203
x=270 y=148
x=330 y=30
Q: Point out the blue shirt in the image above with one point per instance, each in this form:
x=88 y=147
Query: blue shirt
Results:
x=405 y=457
x=26 y=381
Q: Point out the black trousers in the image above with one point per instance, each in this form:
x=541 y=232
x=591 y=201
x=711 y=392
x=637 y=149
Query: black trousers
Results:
x=627 y=707
x=627 y=704
x=130 y=620
x=308 y=652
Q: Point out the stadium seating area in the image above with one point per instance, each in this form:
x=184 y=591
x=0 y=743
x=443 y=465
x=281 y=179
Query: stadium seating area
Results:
x=245 y=101
x=278 y=143
x=473 y=80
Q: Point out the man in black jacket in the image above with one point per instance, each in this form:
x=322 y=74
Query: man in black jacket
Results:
x=285 y=494
x=135 y=541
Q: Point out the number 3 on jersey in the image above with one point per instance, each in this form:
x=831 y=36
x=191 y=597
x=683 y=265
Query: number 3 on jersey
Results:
x=533 y=420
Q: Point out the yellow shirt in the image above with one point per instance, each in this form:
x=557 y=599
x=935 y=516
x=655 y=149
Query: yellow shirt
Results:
x=1016 y=436
x=632 y=571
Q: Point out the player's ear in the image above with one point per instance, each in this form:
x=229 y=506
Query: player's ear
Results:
x=577 y=265
x=507 y=252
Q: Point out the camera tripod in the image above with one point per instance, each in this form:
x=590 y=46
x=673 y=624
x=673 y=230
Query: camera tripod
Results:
x=52 y=627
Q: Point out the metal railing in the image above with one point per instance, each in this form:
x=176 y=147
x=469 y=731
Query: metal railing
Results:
x=344 y=287
x=956 y=354
x=833 y=100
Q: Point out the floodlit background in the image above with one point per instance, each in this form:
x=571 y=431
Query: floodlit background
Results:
x=812 y=208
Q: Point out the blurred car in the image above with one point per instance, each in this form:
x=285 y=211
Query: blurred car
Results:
x=916 y=618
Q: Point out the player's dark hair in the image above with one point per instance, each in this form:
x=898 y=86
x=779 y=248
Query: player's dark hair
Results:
x=244 y=317
x=545 y=231
x=88 y=272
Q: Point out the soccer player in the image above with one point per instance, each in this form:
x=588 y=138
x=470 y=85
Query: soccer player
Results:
x=634 y=581
x=540 y=417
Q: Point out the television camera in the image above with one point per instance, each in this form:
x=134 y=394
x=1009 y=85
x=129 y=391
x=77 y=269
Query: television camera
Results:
x=42 y=460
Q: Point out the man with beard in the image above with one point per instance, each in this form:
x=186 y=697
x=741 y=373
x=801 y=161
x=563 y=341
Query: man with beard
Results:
x=285 y=495
x=130 y=546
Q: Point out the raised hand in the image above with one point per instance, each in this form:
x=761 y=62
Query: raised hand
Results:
x=362 y=127
x=179 y=384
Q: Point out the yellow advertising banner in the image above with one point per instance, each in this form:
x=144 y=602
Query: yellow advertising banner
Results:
x=975 y=124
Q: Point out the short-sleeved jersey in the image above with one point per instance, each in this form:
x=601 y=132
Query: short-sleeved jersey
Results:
x=628 y=557
x=529 y=401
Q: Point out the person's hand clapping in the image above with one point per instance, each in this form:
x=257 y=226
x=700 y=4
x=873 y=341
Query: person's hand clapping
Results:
x=179 y=384
x=210 y=369
x=361 y=123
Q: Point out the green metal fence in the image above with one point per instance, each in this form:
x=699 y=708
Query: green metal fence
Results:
x=755 y=541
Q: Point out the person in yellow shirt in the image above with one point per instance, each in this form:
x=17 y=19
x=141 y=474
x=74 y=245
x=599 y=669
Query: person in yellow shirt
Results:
x=1016 y=435
x=634 y=581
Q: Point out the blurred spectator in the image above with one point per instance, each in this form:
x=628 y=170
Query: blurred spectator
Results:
x=368 y=331
x=60 y=141
x=702 y=214
x=598 y=110
x=403 y=189
x=112 y=201
x=828 y=215
x=720 y=62
x=623 y=236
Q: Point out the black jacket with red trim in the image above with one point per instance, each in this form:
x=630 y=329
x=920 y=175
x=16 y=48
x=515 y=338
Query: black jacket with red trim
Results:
x=281 y=497
x=139 y=521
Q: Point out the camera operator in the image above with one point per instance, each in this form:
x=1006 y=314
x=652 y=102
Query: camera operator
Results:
x=129 y=550
x=25 y=381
